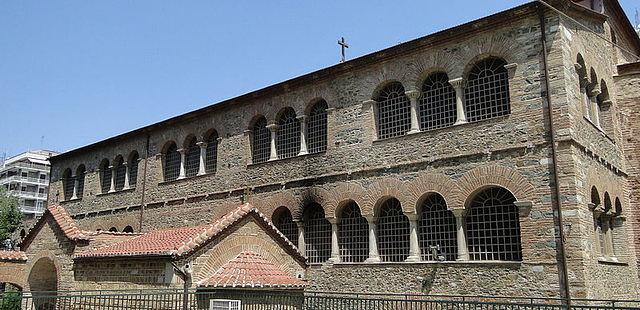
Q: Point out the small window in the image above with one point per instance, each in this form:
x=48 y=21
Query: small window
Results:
x=80 y=175
x=394 y=112
x=261 y=141
x=133 y=169
x=128 y=229
x=113 y=229
x=437 y=103
x=224 y=304
x=67 y=184
x=288 y=137
x=317 y=128
x=121 y=170
x=172 y=163
x=353 y=233
x=211 y=159
x=192 y=158
x=393 y=232
x=487 y=92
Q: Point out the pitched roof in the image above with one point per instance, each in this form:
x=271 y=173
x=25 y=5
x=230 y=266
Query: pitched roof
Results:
x=251 y=270
x=13 y=256
x=177 y=242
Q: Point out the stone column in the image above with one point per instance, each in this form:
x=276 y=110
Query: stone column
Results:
x=183 y=159
x=76 y=185
x=274 y=152
x=374 y=256
x=414 y=246
x=595 y=110
x=126 y=175
x=203 y=156
x=303 y=135
x=461 y=114
x=301 y=244
x=335 y=247
x=461 y=236
x=413 y=97
x=113 y=179
x=608 y=237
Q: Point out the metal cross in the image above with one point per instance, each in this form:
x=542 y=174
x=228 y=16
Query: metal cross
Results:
x=343 y=45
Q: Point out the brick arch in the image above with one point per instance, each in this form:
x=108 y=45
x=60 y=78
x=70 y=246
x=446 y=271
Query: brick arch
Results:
x=495 y=45
x=433 y=183
x=315 y=194
x=33 y=261
x=281 y=199
x=118 y=222
x=432 y=63
x=342 y=193
x=14 y=273
x=379 y=191
x=485 y=176
x=604 y=182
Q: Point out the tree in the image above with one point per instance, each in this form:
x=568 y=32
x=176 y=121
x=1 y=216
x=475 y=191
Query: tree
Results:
x=10 y=215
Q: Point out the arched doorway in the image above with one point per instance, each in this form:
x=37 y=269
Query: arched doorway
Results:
x=43 y=283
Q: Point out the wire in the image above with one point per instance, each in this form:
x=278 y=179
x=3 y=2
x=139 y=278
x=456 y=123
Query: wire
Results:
x=589 y=29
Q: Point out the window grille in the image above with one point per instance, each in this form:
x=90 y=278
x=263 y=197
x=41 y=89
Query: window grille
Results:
x=106 y=177
x=172 y=163
x=120 y=174
x=317 y=128
x=261 y=146
x=288 y=137
x=67 y=183
x=487 y=92
x=493 y=226
x=223 y=304
x=192 y=159
x=393 y=232
x=438 y=102
x=211 y=159
x=133 y=170
x=353 y=233
x=394 y=112
x=80 y=174
x=285 y=224
x=437 y=227
x=317 y=234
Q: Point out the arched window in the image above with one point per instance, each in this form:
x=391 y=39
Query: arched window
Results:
x=113 y=229
x=288 y=137
x=192 y=157
x=67 y=184
x=487 y=92
x=583 y=80
x=604 y=108
x=437 y=229
x=121 y=170
x=493 y=226
x=317 y=128
x=261 y=141
x=353 y=233
x=134 y=158
x=283 y=221
x=317 y=234
x=211 y=159
x=128 y=229
x=393 y=232
x=80 y=175
x=437 y=104
x=171 y=163
x=393 y=111
x=105 y=176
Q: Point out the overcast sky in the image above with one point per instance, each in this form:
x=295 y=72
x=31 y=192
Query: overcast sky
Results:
x=76 y=72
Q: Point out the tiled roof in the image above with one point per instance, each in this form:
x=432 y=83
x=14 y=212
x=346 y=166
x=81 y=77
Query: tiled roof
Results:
x=12 y=256
x=182 y=241
x=250 y=270
x=66 y=223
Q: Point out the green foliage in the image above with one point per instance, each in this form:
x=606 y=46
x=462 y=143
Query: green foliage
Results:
x=10 y=300
x=10 y=215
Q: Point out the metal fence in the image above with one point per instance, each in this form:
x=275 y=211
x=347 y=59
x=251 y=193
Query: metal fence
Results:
x=287 y=300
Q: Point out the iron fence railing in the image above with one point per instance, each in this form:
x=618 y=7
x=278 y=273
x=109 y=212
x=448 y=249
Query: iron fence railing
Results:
x=174 y=299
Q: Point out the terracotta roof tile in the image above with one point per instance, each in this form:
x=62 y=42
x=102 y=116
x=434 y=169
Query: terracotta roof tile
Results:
x=13 y=256
x=183 y=241
x=251 y=270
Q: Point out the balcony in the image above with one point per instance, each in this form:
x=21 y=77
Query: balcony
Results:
x=18 y=178
x=32 y=209
x=28 y=194
x=33 y=166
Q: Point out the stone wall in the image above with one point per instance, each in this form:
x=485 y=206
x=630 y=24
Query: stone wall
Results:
x=125 y=274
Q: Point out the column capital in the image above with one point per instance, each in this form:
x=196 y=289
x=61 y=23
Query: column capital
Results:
x=370 y=219
x=112 y=167
x=412 y=216
x=511 y=69
x=578 y=67
x=594 y=92
x=459 y=212
x=524 y=207
x=412 y=94
x=202 y=144
x=301 y=117
x=457 y=83
x=182 y=151
x=332 y=220
x=272 y=127
x=369 y=102
x=125 y=163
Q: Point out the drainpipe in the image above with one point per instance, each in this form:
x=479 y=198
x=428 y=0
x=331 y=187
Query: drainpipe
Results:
x=144 y=183
x=561 y=237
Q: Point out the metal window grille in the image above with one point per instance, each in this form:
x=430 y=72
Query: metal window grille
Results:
x=353 y=233
x=487 y=92
x=393 y=232
x=317 y=128
x=106 y=177
x=80 y=174
x=211 y=159
x=172 y=163
x=192 y=159
x=438 y=102
x=133 y=170
x=317 y=234
x=493 y=226
x=261 y=144
x=394 y=112
x=67 y=183
x=223 y=304
x=120 y=174
x=285 y=224
x=437 y=228
x=288 y=137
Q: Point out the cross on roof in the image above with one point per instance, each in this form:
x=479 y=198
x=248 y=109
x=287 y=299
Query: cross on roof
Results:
x=343 y=45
